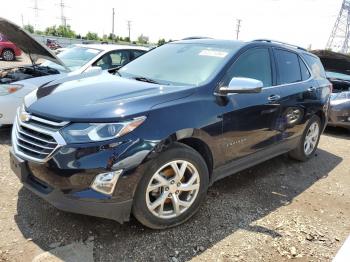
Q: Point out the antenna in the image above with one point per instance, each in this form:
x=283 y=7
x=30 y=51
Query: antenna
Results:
x=340 y=35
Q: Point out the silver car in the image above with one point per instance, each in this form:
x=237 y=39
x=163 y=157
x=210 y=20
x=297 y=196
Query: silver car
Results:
x=81 y=60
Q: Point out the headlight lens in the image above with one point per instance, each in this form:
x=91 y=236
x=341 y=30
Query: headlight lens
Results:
x=9 y=89
x=90 y=132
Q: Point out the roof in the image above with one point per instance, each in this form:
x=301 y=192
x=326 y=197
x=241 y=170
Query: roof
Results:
x=210 y=41
x=108 y=47
x=235 y=43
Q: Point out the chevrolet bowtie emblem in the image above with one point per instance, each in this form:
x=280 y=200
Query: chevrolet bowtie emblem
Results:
x=25 y=117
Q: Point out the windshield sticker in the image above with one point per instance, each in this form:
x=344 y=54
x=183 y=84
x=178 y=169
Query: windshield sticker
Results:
x=214 y=53
x=93 y=51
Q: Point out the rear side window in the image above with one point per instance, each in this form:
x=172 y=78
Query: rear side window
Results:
x=316 y=66
x=305 y=73
x=288 y=67
x=254 y=63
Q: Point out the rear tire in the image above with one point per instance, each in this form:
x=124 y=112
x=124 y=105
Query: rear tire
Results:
x=309 y=141
x=8 y=55
x=172 y=188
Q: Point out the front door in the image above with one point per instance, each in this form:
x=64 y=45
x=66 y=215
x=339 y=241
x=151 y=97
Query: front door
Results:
x=251 y=120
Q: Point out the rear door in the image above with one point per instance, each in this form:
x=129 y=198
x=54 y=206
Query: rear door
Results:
x=249 y=124
x=299 y=92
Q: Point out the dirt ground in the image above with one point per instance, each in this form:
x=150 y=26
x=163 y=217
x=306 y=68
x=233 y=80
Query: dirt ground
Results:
x=276 y=211
x=22 y=60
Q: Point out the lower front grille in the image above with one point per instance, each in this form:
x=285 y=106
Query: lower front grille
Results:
x=36 y=139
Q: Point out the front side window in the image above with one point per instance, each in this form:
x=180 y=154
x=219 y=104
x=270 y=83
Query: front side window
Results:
x=288 y=67
x=137 y=53
x=189 y=64
x=113 y=59
x=254 y=63
x=74 y=58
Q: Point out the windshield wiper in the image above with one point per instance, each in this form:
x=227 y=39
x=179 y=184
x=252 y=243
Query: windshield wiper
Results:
x=145 y=79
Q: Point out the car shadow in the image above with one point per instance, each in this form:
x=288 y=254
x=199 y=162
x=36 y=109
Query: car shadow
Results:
x=337 y=132
x=5 y=135
x=233 y=203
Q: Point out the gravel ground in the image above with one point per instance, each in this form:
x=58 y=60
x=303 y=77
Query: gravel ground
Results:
x=22 y=60
x=276 y=211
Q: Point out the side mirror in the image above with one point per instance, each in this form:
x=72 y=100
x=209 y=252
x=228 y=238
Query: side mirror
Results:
x=242 y=85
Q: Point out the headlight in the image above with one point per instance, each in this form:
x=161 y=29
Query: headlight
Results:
x=90 y=132
x=9 y=89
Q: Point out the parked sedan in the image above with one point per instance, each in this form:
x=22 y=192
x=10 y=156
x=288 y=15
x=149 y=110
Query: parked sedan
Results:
x=17 y=82
x=8 y=50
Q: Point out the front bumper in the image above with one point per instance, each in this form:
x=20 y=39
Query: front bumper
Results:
x=64 y=181
x=339 y=117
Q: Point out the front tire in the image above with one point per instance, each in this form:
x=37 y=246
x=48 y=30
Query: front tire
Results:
x=172 y=188
x=8 y=55
x=309 y=141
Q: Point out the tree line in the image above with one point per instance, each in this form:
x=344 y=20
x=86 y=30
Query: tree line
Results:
x=66 y=31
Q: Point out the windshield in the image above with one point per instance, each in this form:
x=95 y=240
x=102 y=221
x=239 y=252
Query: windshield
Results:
x=338 y=76
x=340 y=96
x=179 y=63
x=74 y=58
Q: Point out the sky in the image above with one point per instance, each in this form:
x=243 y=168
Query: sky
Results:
x=300 y=22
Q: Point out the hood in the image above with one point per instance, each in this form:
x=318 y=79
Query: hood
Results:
x=27 y=43
x=102 y=98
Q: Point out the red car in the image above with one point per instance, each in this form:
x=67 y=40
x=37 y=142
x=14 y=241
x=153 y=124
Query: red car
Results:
x=8 y=50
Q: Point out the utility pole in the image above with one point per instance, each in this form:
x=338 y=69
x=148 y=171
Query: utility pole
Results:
x=63 y=18
x=129 y=28
x=113 y=13
x=36 y=9
x=238 y=28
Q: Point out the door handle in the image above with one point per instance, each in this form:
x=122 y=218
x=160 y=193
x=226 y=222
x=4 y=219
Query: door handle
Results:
x=273 y=98
x=311 y=89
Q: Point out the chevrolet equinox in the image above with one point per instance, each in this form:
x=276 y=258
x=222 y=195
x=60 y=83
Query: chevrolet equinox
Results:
x=150 y=140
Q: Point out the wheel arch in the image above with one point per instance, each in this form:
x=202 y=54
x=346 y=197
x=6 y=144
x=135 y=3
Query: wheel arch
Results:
x=192 y=138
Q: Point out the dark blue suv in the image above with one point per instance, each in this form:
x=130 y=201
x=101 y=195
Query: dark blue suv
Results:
x=150 y=140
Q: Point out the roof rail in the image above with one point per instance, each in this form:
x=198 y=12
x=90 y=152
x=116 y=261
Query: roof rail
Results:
x=196 y=37
x=279 y=42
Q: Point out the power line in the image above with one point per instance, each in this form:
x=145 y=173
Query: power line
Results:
x=238 y=27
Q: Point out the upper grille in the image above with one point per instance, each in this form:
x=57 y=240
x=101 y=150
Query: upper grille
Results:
x=37 y=138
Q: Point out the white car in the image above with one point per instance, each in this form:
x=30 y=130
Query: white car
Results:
x=82 y=60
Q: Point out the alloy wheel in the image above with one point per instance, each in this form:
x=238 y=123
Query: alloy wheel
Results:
x=172 y=189
x=8 y=55
x=311 y=138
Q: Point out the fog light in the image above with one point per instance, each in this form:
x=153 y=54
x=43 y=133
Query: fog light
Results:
x=106 y=182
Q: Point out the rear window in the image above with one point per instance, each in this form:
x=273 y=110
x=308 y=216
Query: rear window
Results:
x=288 y=67
x=316 y=66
